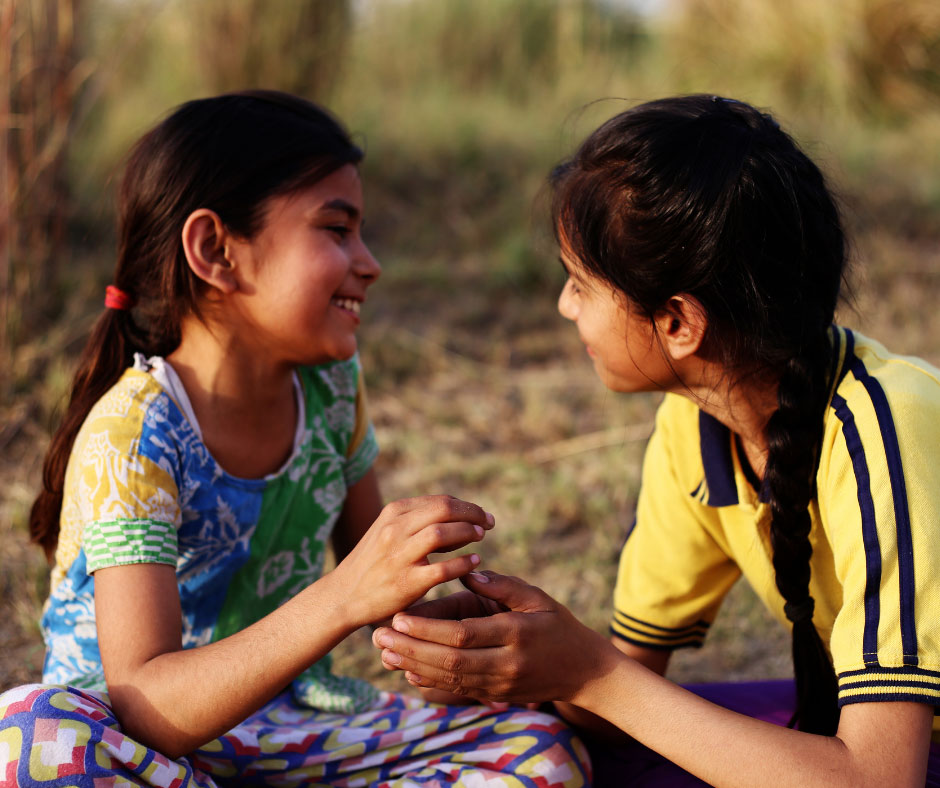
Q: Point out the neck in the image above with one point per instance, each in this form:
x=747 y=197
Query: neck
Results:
x=244 y=403
x=744 y=407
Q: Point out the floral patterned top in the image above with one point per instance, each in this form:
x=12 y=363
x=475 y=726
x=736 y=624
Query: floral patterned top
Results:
x=141 y=487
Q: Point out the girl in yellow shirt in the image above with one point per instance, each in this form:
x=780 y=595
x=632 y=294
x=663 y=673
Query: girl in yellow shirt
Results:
x=705 y=258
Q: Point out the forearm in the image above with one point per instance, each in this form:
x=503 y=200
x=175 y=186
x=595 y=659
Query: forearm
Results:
x=178 y=700
x=725 y=748
x=591 y=723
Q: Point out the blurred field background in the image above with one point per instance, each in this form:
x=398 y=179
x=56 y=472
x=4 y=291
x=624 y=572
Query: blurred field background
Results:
x=477 y=387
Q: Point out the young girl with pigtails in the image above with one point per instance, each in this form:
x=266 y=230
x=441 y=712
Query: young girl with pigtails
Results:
x=705 y=258
x=217 y=438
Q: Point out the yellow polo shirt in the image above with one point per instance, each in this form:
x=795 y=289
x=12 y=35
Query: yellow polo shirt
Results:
x=875 y=528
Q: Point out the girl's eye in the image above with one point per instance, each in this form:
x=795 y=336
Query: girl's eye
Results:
x=341 y=230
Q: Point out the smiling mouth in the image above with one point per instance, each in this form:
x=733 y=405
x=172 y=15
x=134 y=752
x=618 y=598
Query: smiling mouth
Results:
x=349 y=304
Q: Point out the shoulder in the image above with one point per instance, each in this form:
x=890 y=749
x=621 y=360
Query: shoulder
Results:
x=884 y=392
x=883 y=424
x=331 y=395
x=330 y=382
x=121 y=416
x=137 y=418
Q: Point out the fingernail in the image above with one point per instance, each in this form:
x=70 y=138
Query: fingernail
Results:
x=400 y=625
x=391 y=658
x=413 y=678
x=479 y=577
x=474 y=559
x=479 y=531
x=384 y=641
x=490 y=519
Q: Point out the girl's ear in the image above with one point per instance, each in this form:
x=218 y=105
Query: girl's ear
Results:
x=681 y=325
x=205 y=244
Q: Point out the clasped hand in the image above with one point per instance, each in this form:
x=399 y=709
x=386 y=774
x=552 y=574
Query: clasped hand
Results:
x=389 y=569
x=501 y=640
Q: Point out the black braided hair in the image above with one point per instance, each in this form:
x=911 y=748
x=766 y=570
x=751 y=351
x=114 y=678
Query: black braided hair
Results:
x=707 y=196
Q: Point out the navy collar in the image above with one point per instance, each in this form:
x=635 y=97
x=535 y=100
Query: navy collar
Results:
x=717 y=460
x=715 y=438
x=715 y=442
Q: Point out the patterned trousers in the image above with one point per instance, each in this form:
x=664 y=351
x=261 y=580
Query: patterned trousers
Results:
x=62 y=736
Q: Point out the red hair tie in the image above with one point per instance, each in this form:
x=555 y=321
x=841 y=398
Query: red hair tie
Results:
x=115 y=298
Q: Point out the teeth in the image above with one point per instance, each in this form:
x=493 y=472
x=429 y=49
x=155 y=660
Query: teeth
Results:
x=348 y=304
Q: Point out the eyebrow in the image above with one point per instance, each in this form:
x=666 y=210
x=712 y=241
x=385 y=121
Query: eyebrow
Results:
x=573 y=273
x=341 y=205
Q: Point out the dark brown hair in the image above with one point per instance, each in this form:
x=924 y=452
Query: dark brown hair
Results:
x=709 y=197
x=231 y=154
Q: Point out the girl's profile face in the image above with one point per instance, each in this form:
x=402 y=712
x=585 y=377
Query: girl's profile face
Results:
x=304 y=275
x=620 y=341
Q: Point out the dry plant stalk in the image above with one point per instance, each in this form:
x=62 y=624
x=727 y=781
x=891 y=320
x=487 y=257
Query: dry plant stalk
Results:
x=37 y=92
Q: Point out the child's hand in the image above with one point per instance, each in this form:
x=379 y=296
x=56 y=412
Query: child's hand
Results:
x=388 y=569
x=537 y=651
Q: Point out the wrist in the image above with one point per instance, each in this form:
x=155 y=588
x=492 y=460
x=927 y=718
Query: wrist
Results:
x=333 y=597
x=605 y=661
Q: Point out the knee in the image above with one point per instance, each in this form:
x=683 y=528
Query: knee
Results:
x=51 y=701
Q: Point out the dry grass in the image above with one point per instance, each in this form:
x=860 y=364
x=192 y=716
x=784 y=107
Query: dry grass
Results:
x=494 y=400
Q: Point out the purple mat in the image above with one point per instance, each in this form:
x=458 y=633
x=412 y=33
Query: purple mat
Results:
x=771 y=701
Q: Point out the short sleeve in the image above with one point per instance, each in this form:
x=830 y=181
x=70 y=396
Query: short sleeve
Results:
x=879 y=497
x=673 y=574
x=363 y=446
x=124 y=496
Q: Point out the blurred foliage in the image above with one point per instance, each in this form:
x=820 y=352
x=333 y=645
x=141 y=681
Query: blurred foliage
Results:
x=301 y=48
x=870 y=58
x=38 y=81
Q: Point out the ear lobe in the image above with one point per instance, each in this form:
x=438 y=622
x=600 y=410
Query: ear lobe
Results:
x=205 y=244
x=681 y=325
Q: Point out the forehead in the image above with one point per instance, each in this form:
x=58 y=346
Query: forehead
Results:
x=572 y=264
x=340 y=190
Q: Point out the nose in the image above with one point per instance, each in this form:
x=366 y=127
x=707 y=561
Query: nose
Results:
x=365 y=266
x=566 y=304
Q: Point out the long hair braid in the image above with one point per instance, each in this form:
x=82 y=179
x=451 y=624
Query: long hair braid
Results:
x=793 y=437
x=709 y=197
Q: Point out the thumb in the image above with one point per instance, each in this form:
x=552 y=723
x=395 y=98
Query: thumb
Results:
x=510 y=592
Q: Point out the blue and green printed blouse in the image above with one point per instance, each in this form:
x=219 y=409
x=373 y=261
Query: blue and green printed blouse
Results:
x=141 y=487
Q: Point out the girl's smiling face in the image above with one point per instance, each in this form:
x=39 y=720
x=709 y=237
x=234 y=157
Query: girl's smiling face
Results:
x=303 y=277
x=621 y=342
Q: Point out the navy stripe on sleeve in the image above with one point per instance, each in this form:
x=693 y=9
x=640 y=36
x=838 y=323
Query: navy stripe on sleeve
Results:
x=866 y=505
x=696 y=641
x=890 y=684
x=700 y=624
x=902 y=519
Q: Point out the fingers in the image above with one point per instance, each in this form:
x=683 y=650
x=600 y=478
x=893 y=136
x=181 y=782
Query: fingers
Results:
x=425 y=510
x=444 y=537
x=410 y=634
x=510 y=592
x=463 y=672
x=443 y=571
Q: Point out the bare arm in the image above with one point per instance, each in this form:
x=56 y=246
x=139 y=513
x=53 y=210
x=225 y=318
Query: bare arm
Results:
x=362 y=507
x=175 y=700
x=657 y=661
x=540 y=652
